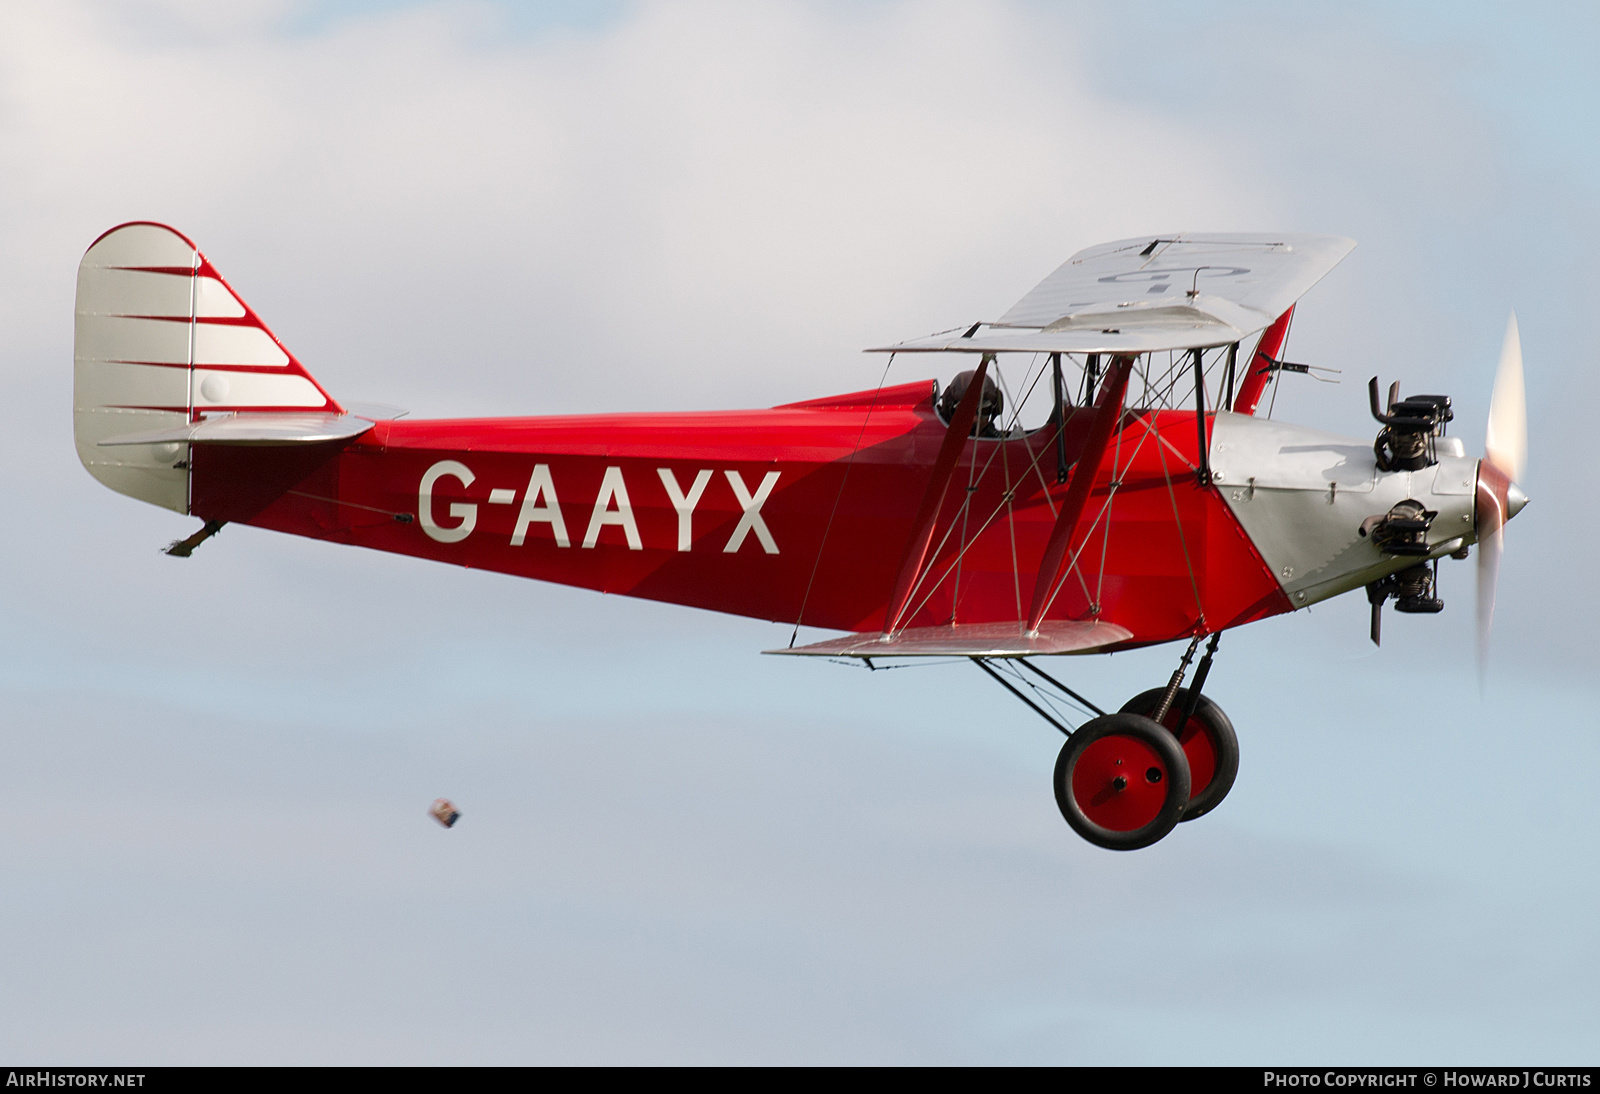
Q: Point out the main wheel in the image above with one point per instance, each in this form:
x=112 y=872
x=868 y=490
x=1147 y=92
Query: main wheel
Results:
x=1208 y=741
x=1122 y=781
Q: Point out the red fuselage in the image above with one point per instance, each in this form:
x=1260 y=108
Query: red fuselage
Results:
x=803 y=511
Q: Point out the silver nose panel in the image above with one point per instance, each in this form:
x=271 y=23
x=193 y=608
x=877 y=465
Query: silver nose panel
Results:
x=1303 y=496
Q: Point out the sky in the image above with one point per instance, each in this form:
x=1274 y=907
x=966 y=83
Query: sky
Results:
x=673 y=849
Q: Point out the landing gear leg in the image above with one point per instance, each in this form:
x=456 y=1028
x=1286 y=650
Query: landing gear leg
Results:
x=1123 y=781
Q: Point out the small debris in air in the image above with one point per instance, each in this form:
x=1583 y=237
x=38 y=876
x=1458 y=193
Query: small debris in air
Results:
x=445 y=812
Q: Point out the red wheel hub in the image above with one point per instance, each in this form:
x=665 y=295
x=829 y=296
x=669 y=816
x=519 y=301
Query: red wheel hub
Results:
x=1198 y=746
x=1120 y=783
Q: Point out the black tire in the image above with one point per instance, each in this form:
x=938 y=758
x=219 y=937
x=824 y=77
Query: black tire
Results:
x=1122 y=781
x=1213 y=762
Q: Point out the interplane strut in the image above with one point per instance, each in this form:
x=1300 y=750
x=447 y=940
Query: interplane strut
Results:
x=955 y=439
x=1108 y=411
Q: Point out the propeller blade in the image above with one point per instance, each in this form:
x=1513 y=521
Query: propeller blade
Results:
x=1505 y=459
x=1491 y=542
x=1506 y=443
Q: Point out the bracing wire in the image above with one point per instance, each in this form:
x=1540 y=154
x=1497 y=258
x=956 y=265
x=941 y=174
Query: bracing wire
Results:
x=843 y=479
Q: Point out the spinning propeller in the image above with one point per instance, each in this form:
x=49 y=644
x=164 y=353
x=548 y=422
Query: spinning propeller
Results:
x=1505 y=458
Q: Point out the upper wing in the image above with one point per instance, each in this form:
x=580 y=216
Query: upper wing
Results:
x=1176 y=291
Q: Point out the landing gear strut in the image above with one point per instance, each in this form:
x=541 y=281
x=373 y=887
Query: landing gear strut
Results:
x=1203 y=730
x=1208 y=742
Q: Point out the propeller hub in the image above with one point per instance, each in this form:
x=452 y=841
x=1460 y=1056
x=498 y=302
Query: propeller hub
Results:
x=1515 y=500
x=1498 y=499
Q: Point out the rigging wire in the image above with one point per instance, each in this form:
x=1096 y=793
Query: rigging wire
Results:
x=1104 y=514
x=843 y=479
x=964 y=512
x=1061 y=706
x=1183 y=540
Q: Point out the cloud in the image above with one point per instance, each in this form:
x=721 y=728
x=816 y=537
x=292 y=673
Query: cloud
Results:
x=675 y=849
x=705 y=202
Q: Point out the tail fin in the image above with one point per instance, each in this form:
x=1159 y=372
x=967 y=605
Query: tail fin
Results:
x=161 y=341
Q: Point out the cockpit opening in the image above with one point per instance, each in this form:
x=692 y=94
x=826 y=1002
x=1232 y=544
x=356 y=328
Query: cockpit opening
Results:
x=990 y=405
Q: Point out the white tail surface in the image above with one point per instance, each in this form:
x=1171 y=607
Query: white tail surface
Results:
x=162 y=341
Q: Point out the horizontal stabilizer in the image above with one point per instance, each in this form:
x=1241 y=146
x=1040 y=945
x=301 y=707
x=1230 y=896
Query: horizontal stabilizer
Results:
x=254 y=429
x=976 y=640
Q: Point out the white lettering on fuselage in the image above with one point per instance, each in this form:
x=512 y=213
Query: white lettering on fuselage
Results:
x=466 y=511
x=612 y=488
x=684 y=503
x=612 y=507
x=751 y=521
x=540 y=487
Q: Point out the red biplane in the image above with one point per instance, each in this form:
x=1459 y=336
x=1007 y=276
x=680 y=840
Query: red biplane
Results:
x=1152 y=505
